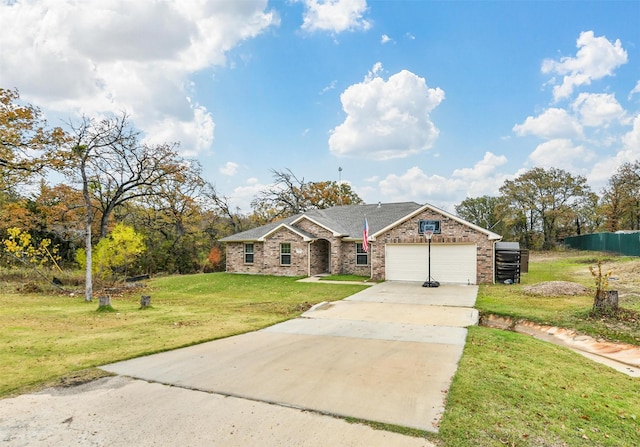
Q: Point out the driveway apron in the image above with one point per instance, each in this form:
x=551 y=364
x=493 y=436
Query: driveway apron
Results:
x=386 y=354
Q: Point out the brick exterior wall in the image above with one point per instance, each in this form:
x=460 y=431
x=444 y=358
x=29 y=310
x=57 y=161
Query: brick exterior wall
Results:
x=299 y=254
x=314 y=258
x=235 y=258
x=452 y=232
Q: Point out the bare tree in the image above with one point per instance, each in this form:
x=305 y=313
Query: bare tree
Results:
x=113 y=168
x=290 y=195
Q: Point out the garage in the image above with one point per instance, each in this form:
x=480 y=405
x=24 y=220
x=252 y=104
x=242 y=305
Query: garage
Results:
x=450 y=263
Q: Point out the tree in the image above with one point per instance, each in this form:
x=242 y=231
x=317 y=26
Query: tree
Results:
x=621 y=198
x=172 y=219
x=115 y=254
x=481 y=211
x=27 y=145
x=114 y=167
x=548 y=197
x=289 y=195
x=327 y=194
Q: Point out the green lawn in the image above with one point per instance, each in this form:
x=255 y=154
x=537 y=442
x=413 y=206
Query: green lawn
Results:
x=510 y=389
x=44 y=337
x=569 y=311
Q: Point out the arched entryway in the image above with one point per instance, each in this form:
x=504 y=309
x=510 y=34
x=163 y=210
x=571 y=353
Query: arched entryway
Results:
x=320 y=257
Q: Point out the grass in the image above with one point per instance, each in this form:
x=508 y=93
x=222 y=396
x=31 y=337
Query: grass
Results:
x=356 y=278
x=509 y=390
x=52 y=336
x=568 y=311
x=514 y=390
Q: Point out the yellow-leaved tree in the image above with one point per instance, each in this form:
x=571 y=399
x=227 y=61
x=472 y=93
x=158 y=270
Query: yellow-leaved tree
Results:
x=114 y=254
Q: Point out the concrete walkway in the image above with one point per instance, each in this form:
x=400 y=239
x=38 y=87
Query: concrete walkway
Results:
x=386 y=354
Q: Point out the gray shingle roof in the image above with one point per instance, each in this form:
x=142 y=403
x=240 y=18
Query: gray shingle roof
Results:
x=347 y=221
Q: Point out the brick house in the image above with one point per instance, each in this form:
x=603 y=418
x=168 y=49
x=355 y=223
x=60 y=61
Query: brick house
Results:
x=330 y=241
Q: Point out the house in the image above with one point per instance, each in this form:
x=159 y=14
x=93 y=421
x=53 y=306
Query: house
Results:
x=331 y=241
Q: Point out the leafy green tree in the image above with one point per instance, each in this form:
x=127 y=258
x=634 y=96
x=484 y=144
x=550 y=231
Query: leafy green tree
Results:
x=547 y=198
x=621 y=198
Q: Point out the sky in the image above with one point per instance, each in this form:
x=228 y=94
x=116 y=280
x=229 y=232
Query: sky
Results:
x=425 y=101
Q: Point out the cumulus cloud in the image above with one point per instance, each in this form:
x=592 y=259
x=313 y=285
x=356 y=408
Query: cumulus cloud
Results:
x=629 y=153
x=386 y=119
x=560 y=153
x=596 y=58
x=335 y=16
x=230 y=168
x=414 y=184
x=598 y=109
x=483 y=168
x=242 y=196
x=631 y=140
x=552 y=123
x=385 y=39
x=96 y=57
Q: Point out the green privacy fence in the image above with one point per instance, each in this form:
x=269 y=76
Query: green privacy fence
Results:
x=623 y=243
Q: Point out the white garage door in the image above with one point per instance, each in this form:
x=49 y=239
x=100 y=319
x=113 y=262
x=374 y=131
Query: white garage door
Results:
x=450 y=263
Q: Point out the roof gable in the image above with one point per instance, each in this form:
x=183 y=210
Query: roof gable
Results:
x=303 y=234
x=335 y=232
x=491 y=235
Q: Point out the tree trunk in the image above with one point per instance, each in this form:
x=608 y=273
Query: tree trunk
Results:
x=606 y=301
x=88 y=288
x=145 y=301
x=105 y=301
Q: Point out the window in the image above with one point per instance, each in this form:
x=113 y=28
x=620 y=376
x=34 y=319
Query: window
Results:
x=248 y=253
x=285 y=254
x=362 y=257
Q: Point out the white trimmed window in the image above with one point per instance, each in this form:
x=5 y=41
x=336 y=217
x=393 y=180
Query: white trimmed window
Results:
x=362 y=257
x=285 y=254
x=248 y=253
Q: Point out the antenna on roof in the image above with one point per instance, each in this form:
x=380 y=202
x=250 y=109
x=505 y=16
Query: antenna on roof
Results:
x=340 y=185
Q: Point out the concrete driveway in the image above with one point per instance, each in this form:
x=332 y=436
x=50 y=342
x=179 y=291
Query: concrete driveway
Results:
x=386 y=354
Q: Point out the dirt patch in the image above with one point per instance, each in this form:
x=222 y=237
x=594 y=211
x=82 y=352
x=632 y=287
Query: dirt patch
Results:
x=556 y=288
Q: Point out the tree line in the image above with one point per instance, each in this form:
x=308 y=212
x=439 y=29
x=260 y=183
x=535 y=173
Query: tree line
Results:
x=541 y=207
x=107 y=175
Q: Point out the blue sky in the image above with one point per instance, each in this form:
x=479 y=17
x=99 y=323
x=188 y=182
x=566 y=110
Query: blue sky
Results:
x=426 y=101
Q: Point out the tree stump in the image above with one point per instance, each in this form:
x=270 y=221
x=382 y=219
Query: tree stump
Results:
x=105 y=301
x=145 y=301
x=606 y=301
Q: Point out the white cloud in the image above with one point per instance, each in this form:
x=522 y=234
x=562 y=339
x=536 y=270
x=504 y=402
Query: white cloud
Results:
x=635 y=90
x=386 y=119
x=242 y=196
x=631 y=140
x=445 y=192
x=560 y=153
x=598 y=109
x=335 y=16
x=98 y=56
x=230 y=168
x=385 y=39
x=483 y=168
x=553 y=123
x=596 y=58
x=415 y=185
x=331 y=86
x=629 y=153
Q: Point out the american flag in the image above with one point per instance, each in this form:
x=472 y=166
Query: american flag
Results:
x=365 y=236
